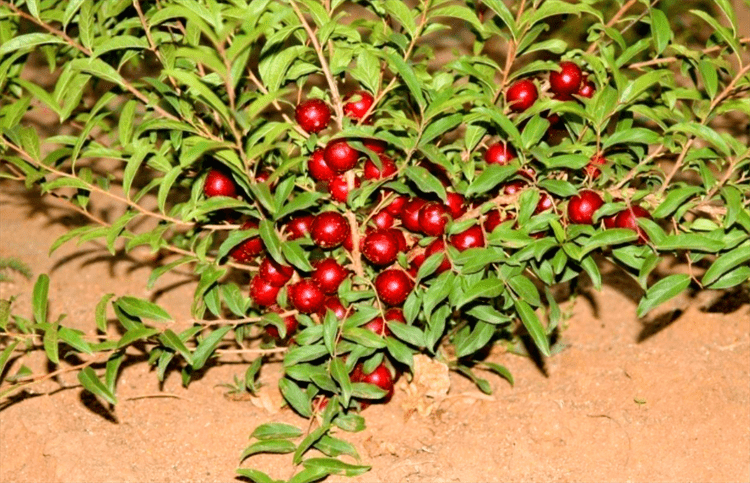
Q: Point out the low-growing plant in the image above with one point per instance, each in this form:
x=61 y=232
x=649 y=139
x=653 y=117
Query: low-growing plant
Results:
x=347 y=199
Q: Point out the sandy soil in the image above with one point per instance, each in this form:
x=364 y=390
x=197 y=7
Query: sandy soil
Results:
x=626 y=400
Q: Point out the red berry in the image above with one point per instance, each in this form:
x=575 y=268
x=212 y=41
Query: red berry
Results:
x=306 y=297
x=469 y=238
x=499 y=153
x=610 y=221
x=398 y=235
x=396 y=207
x=493 y=219
x=357 y=104
x=275 y=273
x=380 y=247
x=318 y=168
x=591 y=168
x=513 y=187
x=262 y=292
x=628 y=219
x=415 y=263
x=333 y=304
x=438 y=246
x=568 y=80
x=545 y=203
x=375 y=145
x=380 y=377
x=329 y=229
x=340 y=156
x=433 y=217
x=587 y=88
x=582 y=206
x=527 y=172
x=388 y=168
x=393 y=286
x=395 y=314
x=219 y=183
x=328 y=275
x=313 y=115
x=299 y=227
x=263 y=176
x=290 y=321
x=456 y=204
x=338 y=187
x=383 y=220
x=378 y=326
x=250 y=248
x=410 y=213
x=521 y=95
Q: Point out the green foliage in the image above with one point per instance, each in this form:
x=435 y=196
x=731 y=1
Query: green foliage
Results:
x=167 y=91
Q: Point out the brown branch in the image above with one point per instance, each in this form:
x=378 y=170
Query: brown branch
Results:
x=612 y=21
x=667 y=60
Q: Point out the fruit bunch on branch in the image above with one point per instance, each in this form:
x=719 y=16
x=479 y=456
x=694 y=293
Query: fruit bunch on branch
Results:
x=347 y=195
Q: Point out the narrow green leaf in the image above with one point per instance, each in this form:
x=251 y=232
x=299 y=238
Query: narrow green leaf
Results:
x=207 y=346
x=39 y=298
x=90 y=381
x=487 y=288
x=143 y=309
x=173 y=341
x=533 y=326
x=278 y=446
x=479 y=337
x=295 y=397
x=276 y=431
x=662 y=291
x=426 y=182
x=726 y=262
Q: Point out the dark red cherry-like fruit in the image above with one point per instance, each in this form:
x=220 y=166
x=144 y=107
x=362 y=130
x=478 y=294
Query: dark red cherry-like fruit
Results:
x=396 y=207
x=339 y=189
x=357 y=104
x=545 y=203
x=473 y=237
x=592 y=169
x=262 y=292
x=521 y=95
x=275 y=273
x=567 y=80
x=340 y=156
x=410 y=213
x=513 y=187
x=456 y=204
x=290 y=321
x=380 y=377
x=438 y=246
x=393 y=286
x=587 y=88
x=380 y=247
x=319 y=170
x=333 y=304
x=299 y=227
x=388 y=168
x=383 y=220
x=329 y=229
x=499 y=153
x=628 y=219
x=313 y=115
x=581 y=207
x=399 y=236
x=493 y=219
x=250 y=248
x=433 y=217
x=305 y=296
x=219 y=183
x=328 y=275
x=375 y=145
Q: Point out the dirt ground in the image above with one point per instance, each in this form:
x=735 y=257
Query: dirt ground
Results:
x=626 y=400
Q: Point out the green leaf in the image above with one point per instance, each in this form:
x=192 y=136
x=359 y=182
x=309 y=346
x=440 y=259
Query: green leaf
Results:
x=201 y=90
x=500 y=370
x=479 y=337
x=726 y=262
x=295 y=397
x=28 y=41
x=113 y=366
x=309 y=475
x=614 y=236
x=207 y=346
x=525 y=289
x=631 y=136
x=50 y=342
x=173 y=341
x=136 y=333
x=674 y=200
x=490 y=177
x=439 y=128
x=125 y=125
x=277 y=446
x=341 y=376
x=635 y=88
x=39 y=298
x=689 y=241
x=295 y=255
x=408 y=333
x=309 y=440
x=330 y=446
x=407 y=74
x=256 y=476
x=89 y=380
x=271 y=240
x=426 y=182
x=662 y=291
x=399 y=11
x=710 y=77
x=487 y=288
x=660 y=30
x=143 y=309
x=335 y=467
x=301 y=201
x=533 y=326
x=5 y=355
x=703 y=132
x=732 y=278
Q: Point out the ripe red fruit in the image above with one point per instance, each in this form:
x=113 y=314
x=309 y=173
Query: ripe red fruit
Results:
x=333 y=304
x=250 y=248
x=290 y=321
x=380 y=377
x=340 y=156
x=299 y=227
x=357 y=104
x=410 y=213
x=263 y=176
x=388 y=168
x=328 y=275
x=329 y=229
x=395 y=314
x=396 y=207
x=521 y=95
x=582 y=206
x=375 y=145
x=383 y=220
x=338 y=187
x=379 y=325
x=544 y=204
x=318 y=168
x=262 y=292
x=587 y=88
x=219 y=183
x=393 y=286
x=610 y=221
x=433 y=217
x=275 y=273
x=469 y=238
x=415 y=263
x=380 y=247
x=398 y=235
x=438 y=246
x=591 y=169
x=567 y=81
x=513 y=187
x=306 y=297
x=313 y=115
x=628 y=219
x=499 y=153
x=456 y=204
x=493 y=219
